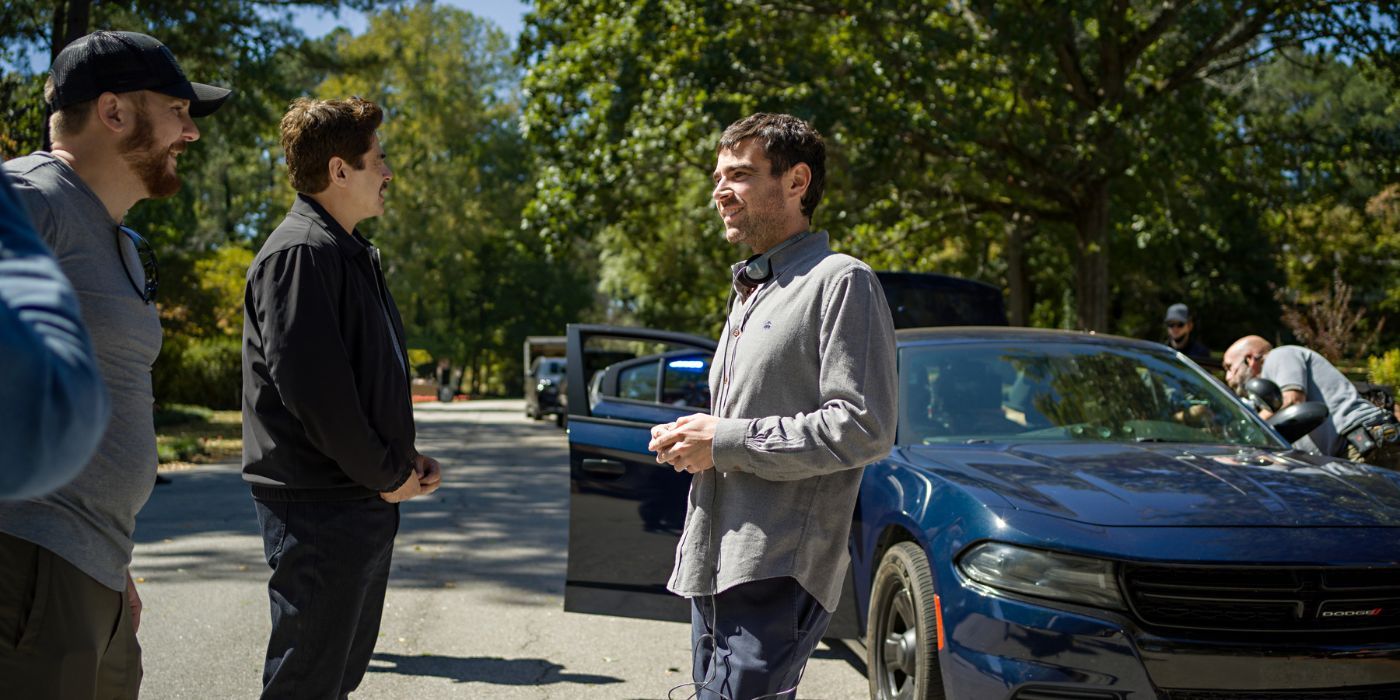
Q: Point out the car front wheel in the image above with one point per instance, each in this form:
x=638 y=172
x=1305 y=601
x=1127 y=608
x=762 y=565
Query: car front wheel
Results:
x=901 y=654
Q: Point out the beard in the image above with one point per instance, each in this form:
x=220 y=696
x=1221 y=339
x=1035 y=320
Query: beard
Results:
x=761 y=224
x=149 y=162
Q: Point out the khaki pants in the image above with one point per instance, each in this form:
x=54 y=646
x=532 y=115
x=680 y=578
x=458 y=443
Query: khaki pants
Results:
x=62 y=634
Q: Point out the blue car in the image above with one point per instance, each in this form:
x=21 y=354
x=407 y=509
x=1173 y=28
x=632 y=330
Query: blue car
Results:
x=1065 y=516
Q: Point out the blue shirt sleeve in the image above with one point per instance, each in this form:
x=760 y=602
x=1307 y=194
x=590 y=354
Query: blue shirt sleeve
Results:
x=53 y=405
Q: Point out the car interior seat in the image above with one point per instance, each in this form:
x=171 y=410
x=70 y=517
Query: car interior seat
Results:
x=968 y=397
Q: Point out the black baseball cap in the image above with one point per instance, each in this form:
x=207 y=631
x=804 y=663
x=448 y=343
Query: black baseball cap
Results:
x=105 y=61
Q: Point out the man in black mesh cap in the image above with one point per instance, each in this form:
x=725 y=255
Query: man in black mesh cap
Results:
x=122 y=113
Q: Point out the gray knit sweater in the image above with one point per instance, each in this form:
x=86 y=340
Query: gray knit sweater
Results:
x=804 y=383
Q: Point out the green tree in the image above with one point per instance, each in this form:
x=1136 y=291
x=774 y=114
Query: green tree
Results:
x=961 y=132
x=1325 y=133
x=470 y=282
x=233 y=186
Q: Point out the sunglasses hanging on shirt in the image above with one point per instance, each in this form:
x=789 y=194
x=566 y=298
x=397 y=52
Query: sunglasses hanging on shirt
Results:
x=146 y=255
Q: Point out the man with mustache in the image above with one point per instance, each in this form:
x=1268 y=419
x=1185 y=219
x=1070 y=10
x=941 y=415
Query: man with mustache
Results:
x=122 y=113
x=804 y=386
x=328 y=435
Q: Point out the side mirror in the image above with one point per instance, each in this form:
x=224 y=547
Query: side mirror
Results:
x=1299 y=419
x=1264 y=392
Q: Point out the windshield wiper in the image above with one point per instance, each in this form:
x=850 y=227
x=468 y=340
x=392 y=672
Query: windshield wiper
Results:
x=1151 y=439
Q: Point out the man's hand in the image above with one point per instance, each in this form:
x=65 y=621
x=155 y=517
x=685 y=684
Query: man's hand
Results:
x=429 y=474
x=687 y=444
x=411 y=487
x=133 y=599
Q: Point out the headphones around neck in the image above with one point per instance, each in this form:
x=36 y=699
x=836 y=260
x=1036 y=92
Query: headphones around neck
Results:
x=759 y=268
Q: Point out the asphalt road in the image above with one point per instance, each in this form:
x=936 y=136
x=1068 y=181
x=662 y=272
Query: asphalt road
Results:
x=475 y=602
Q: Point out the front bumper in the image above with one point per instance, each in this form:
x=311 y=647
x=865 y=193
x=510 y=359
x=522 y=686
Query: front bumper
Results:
x=1003 y=647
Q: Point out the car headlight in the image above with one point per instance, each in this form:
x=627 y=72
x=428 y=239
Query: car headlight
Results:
x=1043 y=574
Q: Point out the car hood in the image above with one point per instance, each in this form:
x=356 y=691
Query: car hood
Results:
x=1169 y=486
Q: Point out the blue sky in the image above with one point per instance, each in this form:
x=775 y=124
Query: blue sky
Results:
x=509 y=15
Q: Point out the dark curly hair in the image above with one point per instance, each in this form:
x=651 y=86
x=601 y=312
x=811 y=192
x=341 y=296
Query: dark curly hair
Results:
x=786 y=141
x=314 y=131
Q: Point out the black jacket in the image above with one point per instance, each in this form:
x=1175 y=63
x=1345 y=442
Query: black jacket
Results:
x=1194 y=349
x=327 y=413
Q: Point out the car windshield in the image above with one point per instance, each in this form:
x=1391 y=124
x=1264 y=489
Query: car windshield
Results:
x=1059 y=392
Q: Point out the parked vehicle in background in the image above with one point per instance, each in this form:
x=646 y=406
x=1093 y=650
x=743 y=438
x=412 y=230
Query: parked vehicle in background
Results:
x=925 y=300
x=542 y=387
x=1065 y=516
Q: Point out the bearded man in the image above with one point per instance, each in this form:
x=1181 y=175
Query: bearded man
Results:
x=804 y=385
x=122 y=113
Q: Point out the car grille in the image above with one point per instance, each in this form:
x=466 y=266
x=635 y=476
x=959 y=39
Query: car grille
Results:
x=1376 y=692
x=1057 y=693
x=1264 y=599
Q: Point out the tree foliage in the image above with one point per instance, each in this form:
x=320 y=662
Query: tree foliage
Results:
x=978 y=137
x=470 y=283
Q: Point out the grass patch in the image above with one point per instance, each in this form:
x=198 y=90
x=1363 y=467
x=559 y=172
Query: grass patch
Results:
x=188 y=435
x=181 y=414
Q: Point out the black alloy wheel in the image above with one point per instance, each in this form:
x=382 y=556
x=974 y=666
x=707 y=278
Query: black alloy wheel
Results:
x=901 y=648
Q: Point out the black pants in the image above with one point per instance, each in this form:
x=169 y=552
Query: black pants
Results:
x=330 y=567
x=63 y=635
x=754 y=639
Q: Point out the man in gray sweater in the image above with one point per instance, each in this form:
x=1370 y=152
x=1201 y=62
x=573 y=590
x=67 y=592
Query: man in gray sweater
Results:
x=55 y=406
x=123 y=112
x=804 y=385
x=1355 y=428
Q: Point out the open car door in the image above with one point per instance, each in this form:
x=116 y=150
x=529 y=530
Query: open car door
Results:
x=625 y=510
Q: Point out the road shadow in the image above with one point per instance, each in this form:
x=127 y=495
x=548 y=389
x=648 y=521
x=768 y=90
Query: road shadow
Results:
x=210 y=499
x=501 y=516
x=842 y=650
x=478 y=669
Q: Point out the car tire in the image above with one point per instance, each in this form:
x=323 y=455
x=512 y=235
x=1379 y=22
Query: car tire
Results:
x=901 y=655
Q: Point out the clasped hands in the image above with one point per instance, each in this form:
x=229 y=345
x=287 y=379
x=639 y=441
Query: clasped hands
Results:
x=686 y=444
x=427 y=477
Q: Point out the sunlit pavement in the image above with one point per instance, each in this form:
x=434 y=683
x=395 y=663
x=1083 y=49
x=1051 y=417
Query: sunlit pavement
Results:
x=475 y=603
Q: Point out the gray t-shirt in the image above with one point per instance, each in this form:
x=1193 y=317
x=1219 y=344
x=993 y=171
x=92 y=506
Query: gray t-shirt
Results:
x=90 y=521
x=1301 y=369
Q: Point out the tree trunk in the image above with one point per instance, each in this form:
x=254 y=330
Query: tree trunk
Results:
x=70 y=21
x=1018 y=277
x=1091 y=263
x=476 y=354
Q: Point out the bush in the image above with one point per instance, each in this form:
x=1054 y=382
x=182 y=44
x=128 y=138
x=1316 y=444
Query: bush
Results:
x=1385 y=370
x=179 y=449
x=181 y=414
x=202 y=371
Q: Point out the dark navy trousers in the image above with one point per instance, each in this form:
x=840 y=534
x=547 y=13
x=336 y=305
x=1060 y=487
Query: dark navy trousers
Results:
x=330 y=568
x=753 y=640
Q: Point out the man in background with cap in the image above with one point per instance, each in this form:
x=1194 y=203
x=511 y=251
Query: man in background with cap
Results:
x=1181 y=333
x=122 y=113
